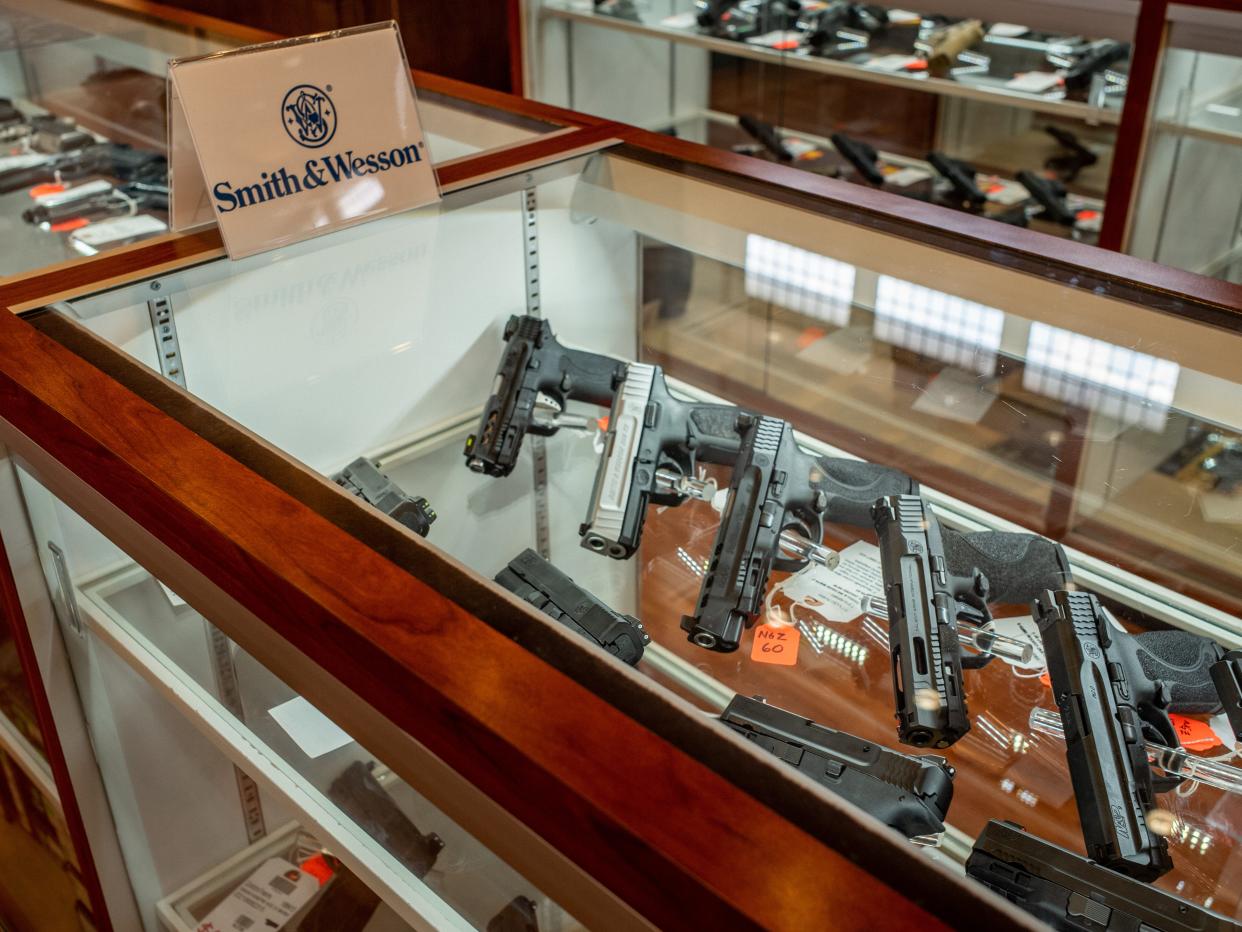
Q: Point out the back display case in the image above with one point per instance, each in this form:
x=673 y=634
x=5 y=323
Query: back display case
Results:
x=270 y=680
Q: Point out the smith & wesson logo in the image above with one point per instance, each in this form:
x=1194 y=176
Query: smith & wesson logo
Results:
x=310 y=118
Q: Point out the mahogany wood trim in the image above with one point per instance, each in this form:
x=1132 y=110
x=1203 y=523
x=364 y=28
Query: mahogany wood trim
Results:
x=200 y=22
x=1128 y=150
x=499 y=100
x=15 y=618
x=517 y=47
x=641 y=806
x=1157 y=287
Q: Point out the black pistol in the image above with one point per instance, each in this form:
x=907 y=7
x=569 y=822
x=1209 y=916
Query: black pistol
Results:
x=961 y=178
x=1073 y=894
x=1096 y=58
x=777 y=490
x=362 y=798
x=364 y=479
x=1050 y=195
x=535 y=378
x=910 y=793
x=533 y=579
x=1102 y=698
x=861 y=155
x=935 y=578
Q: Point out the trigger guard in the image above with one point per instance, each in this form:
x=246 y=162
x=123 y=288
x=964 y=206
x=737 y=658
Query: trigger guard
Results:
x=1167 y=782
x=794 y=564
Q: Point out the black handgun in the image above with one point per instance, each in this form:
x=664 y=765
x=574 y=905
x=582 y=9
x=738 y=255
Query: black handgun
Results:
x=114 y=202
x=654 y=444
x=1076 y=157
x=861 y=155
x=908 y=792
x=767 y=136
x=122 y=162
x=56 y=136
x=1112 y=693
x=364 y=479
x=1096 y=58
x=69 y=166
x=533 y=579
x=1073 y=894
x=776 y=487
x=362 y=798
x=934 y=578
x=535 y=378
x=1050 y=195
x=518 y=916
x=1227 y=677
x=961 y=178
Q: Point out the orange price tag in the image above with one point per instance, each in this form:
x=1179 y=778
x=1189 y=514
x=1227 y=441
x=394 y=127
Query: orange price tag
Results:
x=318 y=868
x=1194 y=734
x=776 y=644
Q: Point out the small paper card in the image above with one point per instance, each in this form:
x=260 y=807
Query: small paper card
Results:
x=314 y=732
x=288 y=140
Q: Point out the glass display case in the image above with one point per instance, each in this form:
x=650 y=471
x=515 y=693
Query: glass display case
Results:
x=937 y=105
x=279 y=682
x=83 y=124
x=1189 y=208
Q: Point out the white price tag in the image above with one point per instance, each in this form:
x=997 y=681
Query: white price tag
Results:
x=96 y=236
x=782 y=39
x=265 y=900
x=904 y=177
x=1007 y=30
x=311 y=730
x=680 y=21
x=1034 y=82
x=892 y=63
x=837 y=595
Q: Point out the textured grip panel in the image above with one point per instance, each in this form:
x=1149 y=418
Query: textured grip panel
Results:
x=854 y=486
x=1183 y=662
x=1018 y=566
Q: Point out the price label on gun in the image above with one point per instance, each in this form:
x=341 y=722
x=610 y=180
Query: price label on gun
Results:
x=776 y=644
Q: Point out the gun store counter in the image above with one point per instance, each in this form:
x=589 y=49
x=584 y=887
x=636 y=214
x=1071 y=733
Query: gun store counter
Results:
x=635 y=538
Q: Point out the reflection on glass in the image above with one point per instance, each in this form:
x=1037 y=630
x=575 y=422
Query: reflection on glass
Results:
x=1122 y=383
x=942 y=326
x=799 y=280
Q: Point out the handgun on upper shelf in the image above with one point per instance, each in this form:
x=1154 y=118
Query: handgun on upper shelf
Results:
x=936 y=582
x=97 y=204
x=364 y=479
x=910 y=793
x=1115 y=691
x=533 y=579
x=1074 y=894
x=780 y=498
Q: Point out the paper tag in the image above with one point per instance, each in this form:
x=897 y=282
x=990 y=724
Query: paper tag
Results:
x=266 y=900
x=1022 y=628
x=904 y=177
x=904 y=18
x=1194 y=734
x=1034 y=82
x=22 y=160
x=175 y=599
x=781 y=39
x=1219 y=508
x=1003 y=191
x=957 y=396
x=66 y=195
x=100 y=234
x=892 y=63
x=311 y=730
x=296 y=138
x=776 y=644
x=681 y=20
x=836 y=595
x=1007 y=30
x=846 y=351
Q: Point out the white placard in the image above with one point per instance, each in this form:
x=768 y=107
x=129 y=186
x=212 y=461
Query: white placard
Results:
x=957 y=396
x=904 y=177
x=288 y=140
x=1034 y=82
x=836 y=595
x=265 y=900
x=311 y=730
